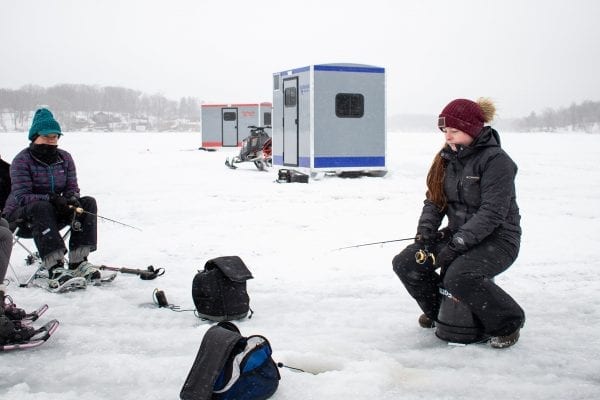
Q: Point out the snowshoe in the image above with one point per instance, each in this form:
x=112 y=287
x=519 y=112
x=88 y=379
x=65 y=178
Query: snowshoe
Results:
x=34 y=315
x=26 y=337
x=14 y=313
x=87 y=270
x=66 y=286
x=11 y=311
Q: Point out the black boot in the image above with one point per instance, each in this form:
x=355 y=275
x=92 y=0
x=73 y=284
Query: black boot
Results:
x=86 y=270
x=11 y=311
x=57 y=275
x=12 y=332
x=426 y=322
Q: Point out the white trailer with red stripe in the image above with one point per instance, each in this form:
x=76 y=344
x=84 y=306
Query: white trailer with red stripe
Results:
x=226 y=125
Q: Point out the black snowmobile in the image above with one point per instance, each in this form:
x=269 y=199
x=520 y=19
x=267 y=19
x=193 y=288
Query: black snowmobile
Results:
x=256 y=147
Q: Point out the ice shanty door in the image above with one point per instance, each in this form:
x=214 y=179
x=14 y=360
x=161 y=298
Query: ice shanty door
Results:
x=290 y=122
x=230 y=126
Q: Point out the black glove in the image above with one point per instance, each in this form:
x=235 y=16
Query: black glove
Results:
x=428 y=238
x=60 y=203
x=445 y=256
x=73 y=201
x=444 y=234
x=425 y=237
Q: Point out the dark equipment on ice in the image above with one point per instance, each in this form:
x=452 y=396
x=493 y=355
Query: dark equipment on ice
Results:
x=144 y=274
x=229 y=366
x=456 y=323
x=219 y=291
x=256 y=147
x=285 y=175
x=160 y=298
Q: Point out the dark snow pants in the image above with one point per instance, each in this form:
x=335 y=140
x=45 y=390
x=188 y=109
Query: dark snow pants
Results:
x=469 y=279
x=40 y=221
x=6 y=239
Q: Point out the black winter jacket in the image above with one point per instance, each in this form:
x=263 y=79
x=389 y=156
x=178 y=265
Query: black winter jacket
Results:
x=479 y=185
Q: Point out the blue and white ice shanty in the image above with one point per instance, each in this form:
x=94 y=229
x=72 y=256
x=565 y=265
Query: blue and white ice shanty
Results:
x=330 y=118
x=226 y=125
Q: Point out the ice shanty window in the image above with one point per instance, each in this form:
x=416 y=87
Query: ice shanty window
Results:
x=291 y=97
x=349 y=105
x=229 y=116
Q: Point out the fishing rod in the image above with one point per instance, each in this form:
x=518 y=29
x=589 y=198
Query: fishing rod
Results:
x=80 y=210
x=371 y=244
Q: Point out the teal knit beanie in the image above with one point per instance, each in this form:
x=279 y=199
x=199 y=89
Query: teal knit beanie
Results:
x=43 y=124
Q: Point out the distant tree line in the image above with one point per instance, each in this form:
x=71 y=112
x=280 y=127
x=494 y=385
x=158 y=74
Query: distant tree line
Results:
x=584 y=117
x=83 y=106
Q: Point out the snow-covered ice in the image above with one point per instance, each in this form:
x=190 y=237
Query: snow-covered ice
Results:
x=343 y=315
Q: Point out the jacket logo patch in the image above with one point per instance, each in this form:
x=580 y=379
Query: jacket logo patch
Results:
x=475 y=178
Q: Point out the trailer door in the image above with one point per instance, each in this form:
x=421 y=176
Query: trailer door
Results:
x=290 y=122
x=229 y=118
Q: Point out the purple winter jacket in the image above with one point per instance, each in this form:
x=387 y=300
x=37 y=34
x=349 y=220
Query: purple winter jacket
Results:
x=32 y=180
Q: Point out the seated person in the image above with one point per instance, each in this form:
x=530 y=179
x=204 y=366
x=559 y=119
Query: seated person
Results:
x=44 y=198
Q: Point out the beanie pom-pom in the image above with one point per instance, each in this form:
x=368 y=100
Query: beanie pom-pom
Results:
x=488 y=108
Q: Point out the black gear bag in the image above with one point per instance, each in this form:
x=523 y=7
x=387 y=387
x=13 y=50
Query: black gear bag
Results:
x=229 y=366
x=219 y=291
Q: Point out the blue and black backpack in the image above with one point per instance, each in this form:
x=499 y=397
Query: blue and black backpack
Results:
x=229 y=366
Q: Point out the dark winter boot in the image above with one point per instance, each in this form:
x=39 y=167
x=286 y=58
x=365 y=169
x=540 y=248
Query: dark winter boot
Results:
x=57 y=275
x=501 y=342
x=12 y=332
x=11 y=311
x=86 y=270
x=7 y=327
x=426 y=322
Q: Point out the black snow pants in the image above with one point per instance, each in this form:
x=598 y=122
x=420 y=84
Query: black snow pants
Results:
x=40 y=221
x=6 y=244
x=469 y=279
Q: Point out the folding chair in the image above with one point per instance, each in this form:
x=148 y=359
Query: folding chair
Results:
x=32 y=257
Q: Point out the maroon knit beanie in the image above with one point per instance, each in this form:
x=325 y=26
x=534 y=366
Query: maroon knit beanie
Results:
x=464 y=115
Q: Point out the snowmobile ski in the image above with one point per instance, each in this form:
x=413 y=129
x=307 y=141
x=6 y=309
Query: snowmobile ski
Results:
x=230 y=164
x=40 y=337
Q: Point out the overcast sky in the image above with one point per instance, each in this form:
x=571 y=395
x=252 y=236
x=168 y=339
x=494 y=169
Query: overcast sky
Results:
x=524 y=54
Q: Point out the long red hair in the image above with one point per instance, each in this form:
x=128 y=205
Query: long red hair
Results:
x=435 y=182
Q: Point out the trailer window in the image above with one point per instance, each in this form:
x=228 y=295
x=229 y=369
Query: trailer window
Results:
x=290 y=97
x=267 y=118
x=275 y=82
x=229 y=116
x=349 y=105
